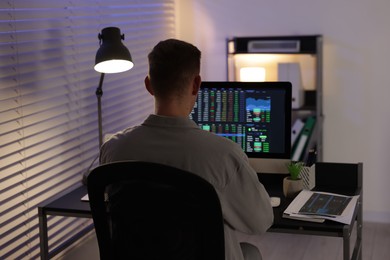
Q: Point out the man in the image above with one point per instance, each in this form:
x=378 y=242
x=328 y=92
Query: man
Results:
x=170 y=137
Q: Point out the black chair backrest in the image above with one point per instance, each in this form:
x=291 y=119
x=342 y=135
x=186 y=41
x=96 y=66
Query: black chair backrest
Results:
x=152 y=211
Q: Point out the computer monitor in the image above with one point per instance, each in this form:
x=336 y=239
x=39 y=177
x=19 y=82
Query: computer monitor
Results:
x=256 y=115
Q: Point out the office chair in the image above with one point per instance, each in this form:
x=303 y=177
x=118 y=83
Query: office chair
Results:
x=152 y=211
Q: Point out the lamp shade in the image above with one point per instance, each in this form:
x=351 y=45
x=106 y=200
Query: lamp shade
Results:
x=112 y=56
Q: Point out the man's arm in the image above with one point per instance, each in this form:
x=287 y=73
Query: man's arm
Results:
x=246 y=203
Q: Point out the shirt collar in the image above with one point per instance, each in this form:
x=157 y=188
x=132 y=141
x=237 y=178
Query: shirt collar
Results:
x=168 y=121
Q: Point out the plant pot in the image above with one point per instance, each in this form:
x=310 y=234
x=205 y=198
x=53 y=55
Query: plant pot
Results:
x=291 y=187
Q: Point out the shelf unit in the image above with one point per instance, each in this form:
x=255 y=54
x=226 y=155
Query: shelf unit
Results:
x=269 y=56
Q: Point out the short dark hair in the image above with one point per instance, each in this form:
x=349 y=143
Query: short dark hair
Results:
x=172 y=64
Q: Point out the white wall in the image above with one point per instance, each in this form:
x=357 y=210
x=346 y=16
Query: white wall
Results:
x=356 y=70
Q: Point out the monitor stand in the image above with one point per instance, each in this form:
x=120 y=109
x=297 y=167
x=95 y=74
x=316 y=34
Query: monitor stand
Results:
x=268 y=165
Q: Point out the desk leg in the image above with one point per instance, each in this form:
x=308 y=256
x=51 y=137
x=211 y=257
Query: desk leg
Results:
x=359 y=234
x=346 y=240
x=357 y=252
x=43 y=237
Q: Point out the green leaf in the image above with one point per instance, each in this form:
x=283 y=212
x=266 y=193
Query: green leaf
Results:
x=294 y=168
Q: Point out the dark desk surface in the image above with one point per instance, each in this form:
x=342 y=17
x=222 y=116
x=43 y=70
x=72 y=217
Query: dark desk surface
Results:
x=69 y=204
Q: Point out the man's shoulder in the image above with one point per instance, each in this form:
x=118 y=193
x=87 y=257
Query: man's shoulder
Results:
x=119 y=136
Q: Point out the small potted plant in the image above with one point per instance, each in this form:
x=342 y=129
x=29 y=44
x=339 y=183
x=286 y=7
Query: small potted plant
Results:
x=293 y=184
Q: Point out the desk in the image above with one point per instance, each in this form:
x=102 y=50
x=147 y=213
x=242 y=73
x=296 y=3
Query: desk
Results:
x=68 y=205
x=349 y=182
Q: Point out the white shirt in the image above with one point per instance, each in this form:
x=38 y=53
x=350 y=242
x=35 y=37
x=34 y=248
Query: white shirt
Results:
x=179 y=142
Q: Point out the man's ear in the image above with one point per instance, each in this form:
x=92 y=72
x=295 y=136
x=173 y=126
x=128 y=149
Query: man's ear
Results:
x=148 y=86
x=196 y=84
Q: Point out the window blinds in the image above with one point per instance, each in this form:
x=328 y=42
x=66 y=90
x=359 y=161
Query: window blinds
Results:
x=48 y=107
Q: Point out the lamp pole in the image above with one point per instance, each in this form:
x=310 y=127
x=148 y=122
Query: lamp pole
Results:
x=99 y=94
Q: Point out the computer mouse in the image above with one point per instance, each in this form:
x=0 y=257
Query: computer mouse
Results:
x=275 y=201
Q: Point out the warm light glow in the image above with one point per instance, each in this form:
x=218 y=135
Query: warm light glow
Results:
x=113 y=66
x=252 y=74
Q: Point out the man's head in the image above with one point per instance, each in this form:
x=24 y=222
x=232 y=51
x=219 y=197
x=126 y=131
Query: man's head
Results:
x=173 y=65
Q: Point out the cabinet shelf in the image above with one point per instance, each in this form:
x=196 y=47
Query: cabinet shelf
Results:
x=268 y=52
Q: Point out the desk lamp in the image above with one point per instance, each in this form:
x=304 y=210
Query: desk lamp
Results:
x=112 y=57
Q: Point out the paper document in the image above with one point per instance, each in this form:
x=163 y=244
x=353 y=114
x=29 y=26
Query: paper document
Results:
x=85 y=197
x=317 y=206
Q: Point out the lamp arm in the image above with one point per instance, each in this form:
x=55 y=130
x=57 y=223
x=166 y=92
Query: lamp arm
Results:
x=99 y=94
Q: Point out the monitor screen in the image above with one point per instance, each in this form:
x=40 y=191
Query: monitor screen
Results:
x=256 y=115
